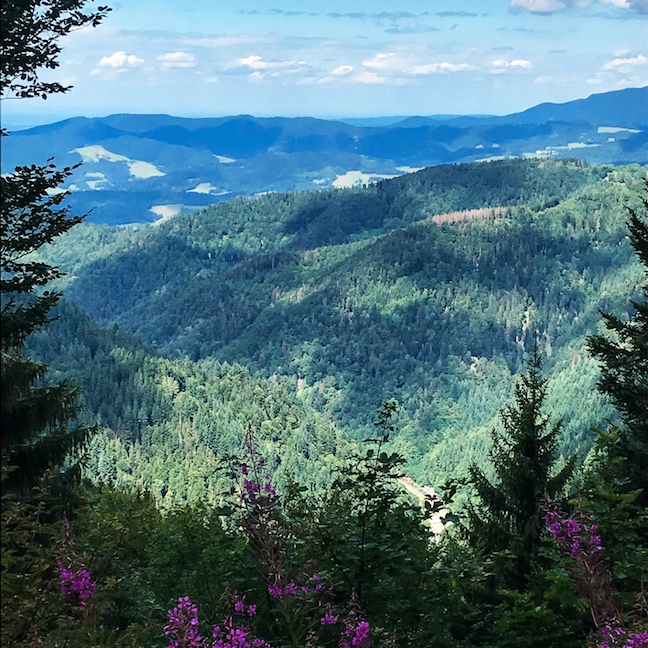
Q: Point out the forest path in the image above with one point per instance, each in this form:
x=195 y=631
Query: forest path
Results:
x=437 y=516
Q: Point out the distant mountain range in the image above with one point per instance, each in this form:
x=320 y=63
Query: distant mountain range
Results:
x=143 y=168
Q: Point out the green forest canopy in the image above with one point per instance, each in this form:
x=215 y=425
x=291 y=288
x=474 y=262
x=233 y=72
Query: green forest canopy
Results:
x=346 y=299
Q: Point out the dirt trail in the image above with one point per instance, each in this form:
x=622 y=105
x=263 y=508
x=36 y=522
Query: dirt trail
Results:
x=423 y=494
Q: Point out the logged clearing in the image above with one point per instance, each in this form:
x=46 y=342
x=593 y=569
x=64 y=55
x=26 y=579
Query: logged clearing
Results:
x=469 y=214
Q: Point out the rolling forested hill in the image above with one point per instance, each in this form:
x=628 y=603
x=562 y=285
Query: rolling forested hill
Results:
x=428 y=289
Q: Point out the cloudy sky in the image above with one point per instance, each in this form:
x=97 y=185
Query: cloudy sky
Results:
x=345 y=58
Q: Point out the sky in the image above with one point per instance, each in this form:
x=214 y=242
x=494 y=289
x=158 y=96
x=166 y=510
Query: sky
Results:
x=343 y=58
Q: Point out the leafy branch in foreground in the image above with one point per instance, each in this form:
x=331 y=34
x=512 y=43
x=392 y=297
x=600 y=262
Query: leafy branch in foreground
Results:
x=30 y=33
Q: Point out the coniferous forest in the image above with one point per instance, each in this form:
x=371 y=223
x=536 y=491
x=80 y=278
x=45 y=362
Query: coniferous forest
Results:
x=413 y=413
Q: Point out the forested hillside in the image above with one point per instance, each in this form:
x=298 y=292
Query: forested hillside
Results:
x=394 y=291
x=172 y=428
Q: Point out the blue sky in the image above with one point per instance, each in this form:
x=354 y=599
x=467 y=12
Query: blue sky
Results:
x=345 y=58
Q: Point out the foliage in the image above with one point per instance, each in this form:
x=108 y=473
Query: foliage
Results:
x=344 y=299
x=577 y=536
x=168 y=425
x=373 y=543
x=30 y=33
x=35 y=419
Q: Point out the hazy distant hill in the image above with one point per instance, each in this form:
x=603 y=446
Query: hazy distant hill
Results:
x=151 y=167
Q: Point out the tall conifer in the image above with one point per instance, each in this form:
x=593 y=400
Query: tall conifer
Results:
x=624 y=367
x=506 y=523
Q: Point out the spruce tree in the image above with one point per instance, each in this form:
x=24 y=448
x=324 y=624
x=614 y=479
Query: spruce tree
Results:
x=34 y=418
x=624 y=367
x=506 y=523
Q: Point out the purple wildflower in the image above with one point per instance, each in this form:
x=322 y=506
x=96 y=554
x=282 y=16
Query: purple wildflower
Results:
x=356 y=636
x=617 y=637
x=76 y=585
x=574 y=537
x=329 y=619
x=182 y=628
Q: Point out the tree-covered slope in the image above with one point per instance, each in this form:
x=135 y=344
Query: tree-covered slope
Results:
x=170 y=426
x=350 y=298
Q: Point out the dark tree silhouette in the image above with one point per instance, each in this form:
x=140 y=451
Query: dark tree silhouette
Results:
x=35 y=419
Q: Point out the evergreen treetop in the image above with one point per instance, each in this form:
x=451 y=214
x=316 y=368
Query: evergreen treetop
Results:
x=508 y=517
x=624 y=365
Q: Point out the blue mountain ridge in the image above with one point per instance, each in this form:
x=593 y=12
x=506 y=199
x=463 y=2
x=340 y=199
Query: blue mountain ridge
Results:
x=140 y=168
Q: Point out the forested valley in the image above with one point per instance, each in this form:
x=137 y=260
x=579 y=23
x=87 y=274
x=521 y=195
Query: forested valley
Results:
x=429 y=290
x=413 y=413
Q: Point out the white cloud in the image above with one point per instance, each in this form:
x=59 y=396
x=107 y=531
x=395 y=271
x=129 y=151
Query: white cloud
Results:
x=395 y=64
x=538 y=6
x=368 y=77
x=177 y=60
x=120 y=60
x=548 y=6
x=386 y=61
x=218 y=42
x=623 y=72
x=640 y=6
x=622 y=4
x=441 y=68
x=626 y=64
x=542 y=80
x=259 y=68
x=555 y=6
x=343 y=70
x=255 y=62
x=502 y=66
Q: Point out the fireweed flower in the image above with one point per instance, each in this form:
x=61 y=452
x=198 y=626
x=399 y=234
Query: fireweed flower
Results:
x=616 y=637
x=356 y=636
x=182 y=628
x=329 y=619
x=579 y=538
x=76 y=584
x=575 y=537
x=231 y=635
